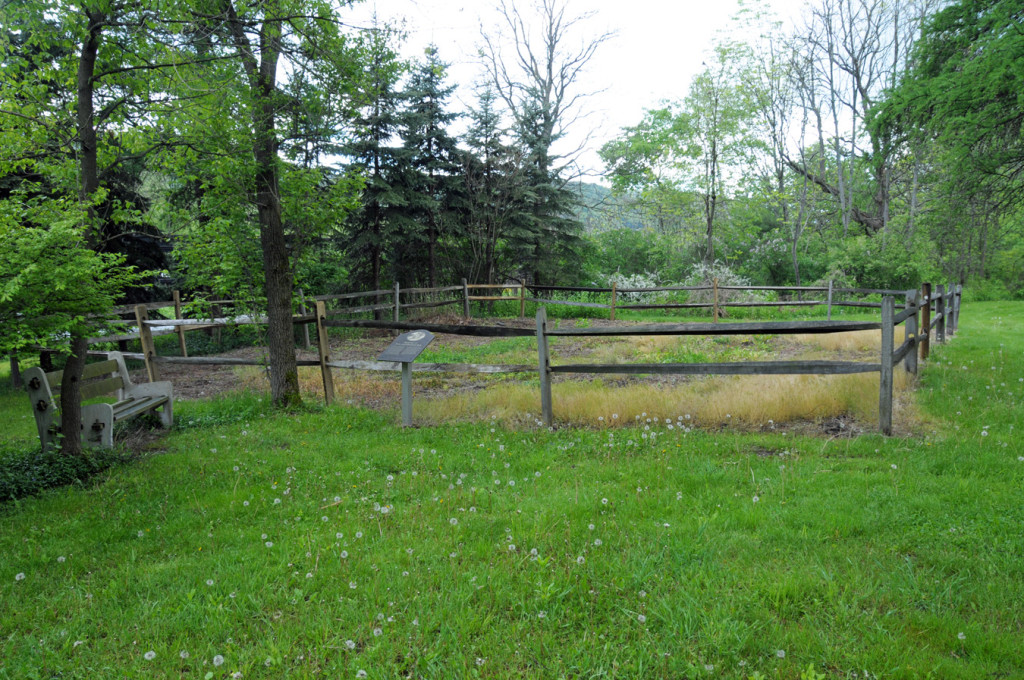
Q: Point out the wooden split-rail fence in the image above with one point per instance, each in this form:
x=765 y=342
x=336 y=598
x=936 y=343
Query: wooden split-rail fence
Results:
x=925 y=313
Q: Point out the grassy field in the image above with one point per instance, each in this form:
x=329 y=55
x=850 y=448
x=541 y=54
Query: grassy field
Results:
x=328 y=543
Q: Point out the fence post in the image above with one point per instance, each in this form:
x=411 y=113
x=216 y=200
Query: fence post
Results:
x=305 y=326
x=465 y=298
x=940 y=310
x=951 y=302
x=926 y=320
x=176 y=296
x=522 y=300
x=950 y=330
x=615 y=285
x=146 y=340
x=544 y=365
x=324 y=350
x=714 y=308
x=398 y=291
x=910 y=361
x=829 y=316
x=952 y=309
x=956 y=303
x=218 y=312
x=885 y=378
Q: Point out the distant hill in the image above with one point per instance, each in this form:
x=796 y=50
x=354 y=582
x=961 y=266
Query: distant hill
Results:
x=600 y=210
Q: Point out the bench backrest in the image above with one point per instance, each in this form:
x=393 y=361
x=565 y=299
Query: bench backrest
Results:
x=99 y=379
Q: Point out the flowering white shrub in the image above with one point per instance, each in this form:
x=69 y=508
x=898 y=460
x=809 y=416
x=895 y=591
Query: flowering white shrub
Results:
x=704 y=274
x=645 y=280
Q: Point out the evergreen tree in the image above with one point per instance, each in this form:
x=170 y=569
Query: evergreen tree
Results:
x=433 y=154
x=496 y=218
x=382 y=225
x=553 y=227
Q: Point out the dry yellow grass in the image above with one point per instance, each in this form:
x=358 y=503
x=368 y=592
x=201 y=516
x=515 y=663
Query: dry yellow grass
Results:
x=744 y=401
x=853 y=341
x=741 y=401
x=358 y=386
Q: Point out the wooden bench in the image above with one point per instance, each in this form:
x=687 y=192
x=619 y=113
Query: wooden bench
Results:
x=101 y=379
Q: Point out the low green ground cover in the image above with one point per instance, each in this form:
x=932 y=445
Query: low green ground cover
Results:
x=328 y=543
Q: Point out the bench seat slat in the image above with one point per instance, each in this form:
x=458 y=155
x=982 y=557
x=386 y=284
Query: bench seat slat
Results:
x=132 y=407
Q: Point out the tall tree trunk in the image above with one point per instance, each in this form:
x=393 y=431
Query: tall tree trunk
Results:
x=261 y=73
x=88 y=183
x=71 y=397
x=284 y=374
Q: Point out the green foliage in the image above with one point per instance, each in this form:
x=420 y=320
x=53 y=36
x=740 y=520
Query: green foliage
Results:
x=963 y=91
x=50 y=280
x=866 y=263
x=24 y=474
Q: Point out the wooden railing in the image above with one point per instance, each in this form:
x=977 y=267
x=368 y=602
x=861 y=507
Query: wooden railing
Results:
x=924 y=313
x=947 y=310
x=939 y=313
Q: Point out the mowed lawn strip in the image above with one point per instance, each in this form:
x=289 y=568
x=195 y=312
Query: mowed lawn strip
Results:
x=329 y=542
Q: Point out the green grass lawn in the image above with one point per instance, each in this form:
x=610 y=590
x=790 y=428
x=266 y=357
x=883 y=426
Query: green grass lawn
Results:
x=329 y=543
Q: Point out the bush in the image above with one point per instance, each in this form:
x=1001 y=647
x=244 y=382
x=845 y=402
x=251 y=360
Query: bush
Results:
x=863 y=262
x=27 y=474
x=645 y=280
x=704 y=275
x=986 y=290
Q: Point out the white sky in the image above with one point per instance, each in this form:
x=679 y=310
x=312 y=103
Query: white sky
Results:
x=657 y=49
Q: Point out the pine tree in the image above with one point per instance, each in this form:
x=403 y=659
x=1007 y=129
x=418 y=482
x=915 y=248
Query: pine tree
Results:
x=375 y=230
x=496 y=218
x=434 y=157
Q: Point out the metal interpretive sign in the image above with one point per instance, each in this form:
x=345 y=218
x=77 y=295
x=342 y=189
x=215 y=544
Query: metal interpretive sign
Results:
x=407 y=346
x=405 y=349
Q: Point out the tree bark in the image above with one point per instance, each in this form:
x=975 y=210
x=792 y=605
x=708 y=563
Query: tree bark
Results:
x=262 y=75
x=284 y=373
x=71 y=397
x=88 y=183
